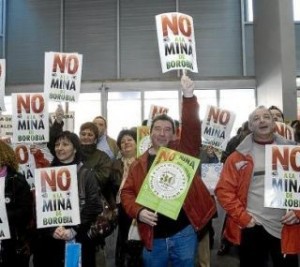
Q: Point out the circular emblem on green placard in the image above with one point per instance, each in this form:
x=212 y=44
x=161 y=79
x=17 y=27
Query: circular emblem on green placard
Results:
x=145 y=143
x=168 y=180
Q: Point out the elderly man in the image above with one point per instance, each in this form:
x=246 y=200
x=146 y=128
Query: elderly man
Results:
x=260 y=231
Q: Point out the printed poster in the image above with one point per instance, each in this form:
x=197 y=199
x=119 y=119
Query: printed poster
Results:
x=176 y=42
x=68 y=119
x=282 y=178
x=285 y=130
x=30 y=118
x=167 y=182
x=210 y=174
x=2 y=84
x=217 y=126
x=143 y=139
x=26 y=160
x=154 y=111
x=62 y=77
x=4 y=226
x=6 y=126
x=57 y=201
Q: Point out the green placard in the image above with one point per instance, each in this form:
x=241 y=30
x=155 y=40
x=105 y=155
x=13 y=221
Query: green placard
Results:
x=167 y=182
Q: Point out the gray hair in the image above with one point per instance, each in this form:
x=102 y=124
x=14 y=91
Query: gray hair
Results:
x=251 y=115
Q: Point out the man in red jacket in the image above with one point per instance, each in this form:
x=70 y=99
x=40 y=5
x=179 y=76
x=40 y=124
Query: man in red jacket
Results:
x=260 y=231
x=166 y=240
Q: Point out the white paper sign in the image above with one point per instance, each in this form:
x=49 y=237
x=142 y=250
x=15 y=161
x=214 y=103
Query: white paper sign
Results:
x=154 y=111
x=6 y=126
x=57 y=201
x=68 y=119
x=285 y=130
x=62 y=77
x=26 y=162
x=282 y=177
x=4 y=227
x=176 y=42
x=217 y=126
x=2 y=84
x=30 y=118
x=210 y=174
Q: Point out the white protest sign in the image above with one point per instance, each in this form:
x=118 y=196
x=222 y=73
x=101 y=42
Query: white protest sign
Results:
x=210 y=174
x=26 y=162
x=216 y=127
x=30 y=118
x=282 y=177
x=4 y=227
x=62 y=76
x=285 y=130
x=6 y=126
x=176 y=42
x=68 y=119
x=154 y=111
x=57 y=201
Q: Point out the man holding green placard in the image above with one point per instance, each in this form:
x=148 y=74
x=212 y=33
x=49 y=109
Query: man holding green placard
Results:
x=170 y=240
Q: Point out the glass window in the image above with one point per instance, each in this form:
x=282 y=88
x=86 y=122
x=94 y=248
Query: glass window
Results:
x=296 y=4
x=206 y=98
x=86 y=109
x=123 y=111
x=240 y=101
x=249 y=10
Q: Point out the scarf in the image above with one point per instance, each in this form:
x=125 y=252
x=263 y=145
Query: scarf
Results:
x=126 y=163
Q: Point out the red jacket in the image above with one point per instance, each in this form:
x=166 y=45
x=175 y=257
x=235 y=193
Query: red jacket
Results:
x=198 y=205
x=232 y=191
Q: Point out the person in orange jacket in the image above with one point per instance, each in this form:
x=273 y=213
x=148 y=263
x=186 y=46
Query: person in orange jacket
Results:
x=260 y=231
x=166 y=240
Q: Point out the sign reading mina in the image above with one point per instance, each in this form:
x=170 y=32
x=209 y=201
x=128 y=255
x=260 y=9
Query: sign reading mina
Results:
x=30 y=118
x=57 y=201
x=282 y=177
x=167 y=182
x=176 y=42
x=216 y=127
x=62 y=77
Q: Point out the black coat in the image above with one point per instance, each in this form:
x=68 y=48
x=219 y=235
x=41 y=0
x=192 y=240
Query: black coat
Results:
x=18 y=199
x=50 y=252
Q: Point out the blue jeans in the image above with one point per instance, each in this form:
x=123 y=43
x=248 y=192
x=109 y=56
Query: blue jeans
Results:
x=178 y=249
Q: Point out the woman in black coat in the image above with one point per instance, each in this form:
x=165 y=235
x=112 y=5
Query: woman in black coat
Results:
x=18 y=202
x=49 y=249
